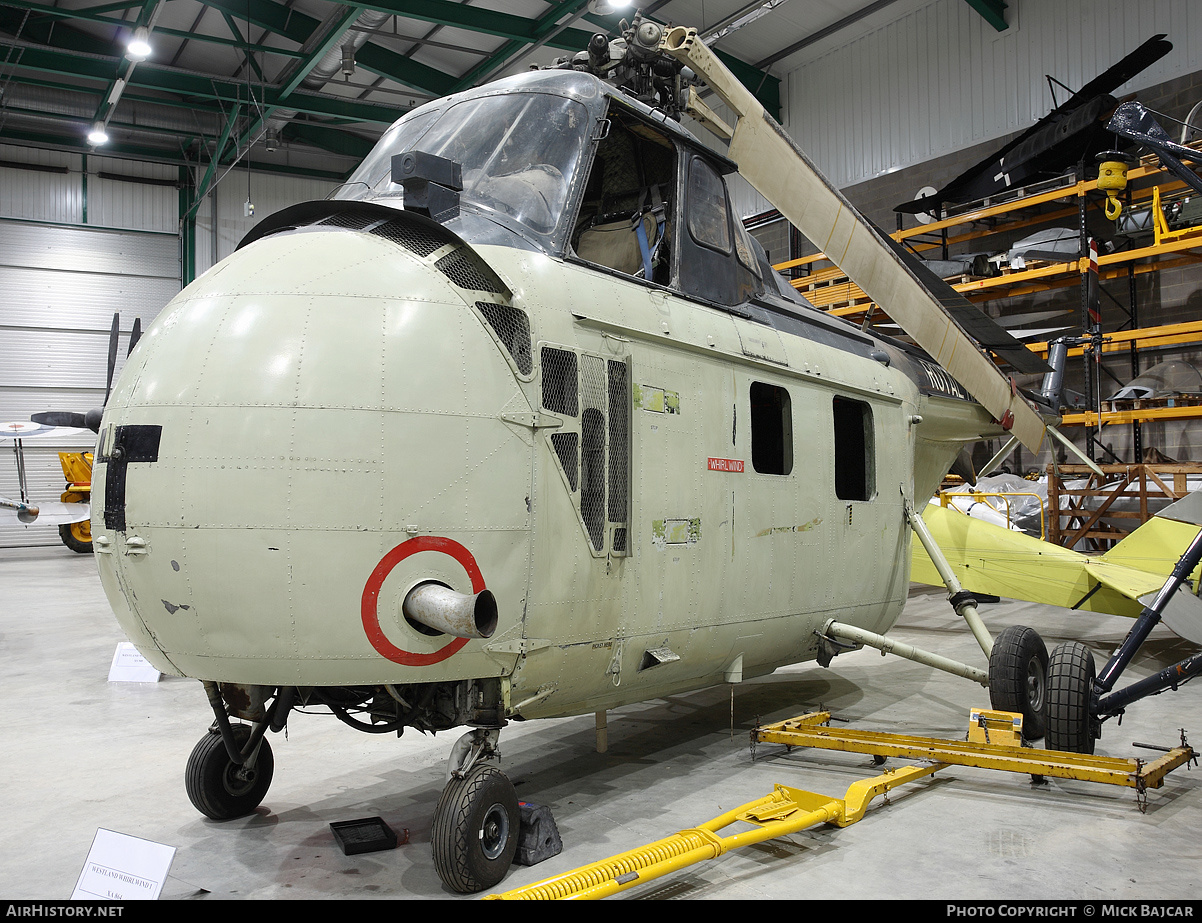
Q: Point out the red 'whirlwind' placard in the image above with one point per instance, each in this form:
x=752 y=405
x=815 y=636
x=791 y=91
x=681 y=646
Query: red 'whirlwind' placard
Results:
x=726 y=464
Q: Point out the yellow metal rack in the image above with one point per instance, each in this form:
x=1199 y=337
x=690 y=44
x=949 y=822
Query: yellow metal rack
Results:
x=828 y=289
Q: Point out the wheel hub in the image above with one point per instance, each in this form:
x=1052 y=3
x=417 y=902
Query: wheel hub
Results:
x=1035 y=684
x=494 y=831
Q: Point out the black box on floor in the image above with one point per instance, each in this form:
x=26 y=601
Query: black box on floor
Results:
x=368 y=834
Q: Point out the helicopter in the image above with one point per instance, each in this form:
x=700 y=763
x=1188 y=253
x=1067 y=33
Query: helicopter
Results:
x=521 y=423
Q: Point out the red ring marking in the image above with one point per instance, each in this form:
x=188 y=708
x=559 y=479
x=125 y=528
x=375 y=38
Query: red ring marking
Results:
x=371 y=597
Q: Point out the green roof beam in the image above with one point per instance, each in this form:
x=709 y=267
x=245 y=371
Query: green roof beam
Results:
x=992 y=11
x=152 y=77
x=478 y=19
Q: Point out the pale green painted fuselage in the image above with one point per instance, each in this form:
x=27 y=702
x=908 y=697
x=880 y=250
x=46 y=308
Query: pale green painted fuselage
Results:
x=341 y=420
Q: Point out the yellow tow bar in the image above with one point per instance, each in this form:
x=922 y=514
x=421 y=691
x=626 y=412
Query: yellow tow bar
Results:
x=994 y=742
x=786 y=810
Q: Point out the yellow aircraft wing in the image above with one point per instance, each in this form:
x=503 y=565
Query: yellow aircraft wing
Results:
x=990 y=559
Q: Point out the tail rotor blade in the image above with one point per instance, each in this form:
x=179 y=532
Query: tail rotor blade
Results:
x=114 y=334
x=59 y=418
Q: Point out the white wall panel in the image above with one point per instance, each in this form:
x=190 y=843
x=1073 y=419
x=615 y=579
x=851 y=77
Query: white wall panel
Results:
x=940 y=79
x=41 y=196
x=268 y=193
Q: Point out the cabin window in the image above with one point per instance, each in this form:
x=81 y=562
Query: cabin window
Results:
x=854 y=450
x=771 y=429
x=709 y=220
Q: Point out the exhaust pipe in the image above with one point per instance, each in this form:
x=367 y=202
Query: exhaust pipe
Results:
x=442 y=609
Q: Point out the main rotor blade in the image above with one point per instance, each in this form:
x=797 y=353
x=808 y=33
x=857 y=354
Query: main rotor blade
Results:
x=783 y=174
x=134 y=335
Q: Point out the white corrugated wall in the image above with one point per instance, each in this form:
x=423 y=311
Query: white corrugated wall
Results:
x=940 y=79
x=75 y=248
x=99 y=236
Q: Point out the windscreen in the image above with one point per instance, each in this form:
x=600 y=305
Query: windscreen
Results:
x=518 y=151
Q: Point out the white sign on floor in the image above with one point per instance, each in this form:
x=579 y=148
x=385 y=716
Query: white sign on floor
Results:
x=131 y=667
x=123 y=868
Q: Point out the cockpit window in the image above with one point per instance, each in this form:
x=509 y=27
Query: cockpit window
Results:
x=518 y=152
x=709 y=223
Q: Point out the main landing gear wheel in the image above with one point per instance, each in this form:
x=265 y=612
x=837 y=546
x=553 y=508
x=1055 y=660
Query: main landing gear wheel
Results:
x=1018 y=669
x=1071 y=675
x=220 y=788
x=475 y=833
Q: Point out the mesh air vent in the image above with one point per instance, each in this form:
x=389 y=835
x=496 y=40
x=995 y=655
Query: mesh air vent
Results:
x=422 y=240
x=466 y=270
x=351 y=221
x=619 y=444
x=595 y=401
x=559 y=381
x=512 y=328
x=566 y=448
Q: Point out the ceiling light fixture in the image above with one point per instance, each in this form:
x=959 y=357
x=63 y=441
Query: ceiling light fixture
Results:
x=138 y=48
x=607 y=7
x=98 y=135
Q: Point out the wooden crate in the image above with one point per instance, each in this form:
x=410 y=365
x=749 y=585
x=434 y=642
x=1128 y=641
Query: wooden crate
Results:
x=1076 y=514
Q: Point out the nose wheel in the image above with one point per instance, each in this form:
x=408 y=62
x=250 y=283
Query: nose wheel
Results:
x=222 y=789
x=476 y=826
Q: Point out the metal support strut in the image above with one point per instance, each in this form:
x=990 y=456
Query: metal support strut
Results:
x=1106 y=704
x=963 y=602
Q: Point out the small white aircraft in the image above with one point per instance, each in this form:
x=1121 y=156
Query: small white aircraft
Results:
x=521 y=423
x=70 y=514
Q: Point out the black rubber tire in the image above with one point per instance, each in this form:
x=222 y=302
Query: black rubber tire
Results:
x=475 y=834
x=211 y=779
x=1018 y=670
x=68 y=533
x=1071 y=675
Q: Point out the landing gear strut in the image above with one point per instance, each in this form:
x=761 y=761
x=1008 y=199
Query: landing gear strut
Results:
x=1080 y=698
x=230 y=768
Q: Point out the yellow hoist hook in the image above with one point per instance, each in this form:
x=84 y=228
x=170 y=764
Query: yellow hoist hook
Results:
x=1112 y=179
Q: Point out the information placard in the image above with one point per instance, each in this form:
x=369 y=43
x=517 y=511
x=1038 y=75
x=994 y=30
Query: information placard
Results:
x=120 y=867
x=129 y=666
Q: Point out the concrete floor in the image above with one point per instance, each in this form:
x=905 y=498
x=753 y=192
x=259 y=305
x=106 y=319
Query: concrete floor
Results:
x=81 y=753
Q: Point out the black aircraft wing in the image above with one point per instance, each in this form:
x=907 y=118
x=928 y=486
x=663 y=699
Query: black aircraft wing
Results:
x=1074 y=129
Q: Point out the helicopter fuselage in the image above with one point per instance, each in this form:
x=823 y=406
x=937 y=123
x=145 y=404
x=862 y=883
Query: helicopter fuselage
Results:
x=661 y=489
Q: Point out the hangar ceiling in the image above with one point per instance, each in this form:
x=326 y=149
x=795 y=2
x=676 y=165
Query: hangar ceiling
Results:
x=306 y=86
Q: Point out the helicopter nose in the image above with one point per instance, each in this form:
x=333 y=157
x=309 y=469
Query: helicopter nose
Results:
x=320 y=397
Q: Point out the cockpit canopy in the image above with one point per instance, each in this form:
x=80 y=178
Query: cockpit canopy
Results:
x=579 y=171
